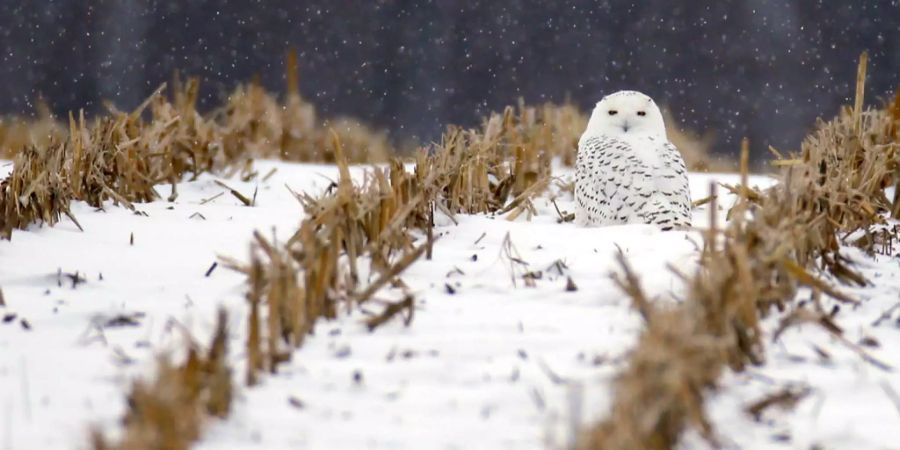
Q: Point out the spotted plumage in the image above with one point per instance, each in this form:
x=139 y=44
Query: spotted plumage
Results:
x=627 y=171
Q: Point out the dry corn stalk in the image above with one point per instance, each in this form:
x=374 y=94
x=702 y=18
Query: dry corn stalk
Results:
x=835 y=188
x=169 y=411
x=122 y=156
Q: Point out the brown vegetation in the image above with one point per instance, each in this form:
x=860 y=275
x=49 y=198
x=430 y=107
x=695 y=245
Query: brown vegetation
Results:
x=122 y=156
x=378 y=227
x=696 y=149
x=168 y=411
x=358 y=238
x=386 y=224
x=17 y=133
x=751 y=267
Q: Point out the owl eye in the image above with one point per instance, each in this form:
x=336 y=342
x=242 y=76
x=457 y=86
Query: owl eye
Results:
x=613 y=112
x=642 y=113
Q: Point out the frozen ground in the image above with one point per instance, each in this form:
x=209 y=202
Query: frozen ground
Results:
x=487 y=362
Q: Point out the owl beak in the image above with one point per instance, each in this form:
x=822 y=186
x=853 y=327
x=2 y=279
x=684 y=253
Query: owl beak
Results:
x=625 y=127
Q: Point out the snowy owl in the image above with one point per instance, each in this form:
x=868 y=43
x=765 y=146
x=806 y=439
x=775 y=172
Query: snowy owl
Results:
x=627 y=171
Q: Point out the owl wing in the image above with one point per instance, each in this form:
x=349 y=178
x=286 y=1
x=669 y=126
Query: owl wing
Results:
x=671 y=203
x=609 y=173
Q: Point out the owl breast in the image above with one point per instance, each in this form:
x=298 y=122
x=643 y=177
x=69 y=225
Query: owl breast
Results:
x=630 y=180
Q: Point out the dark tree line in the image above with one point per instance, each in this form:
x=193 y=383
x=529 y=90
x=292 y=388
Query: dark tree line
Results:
x=758 y=68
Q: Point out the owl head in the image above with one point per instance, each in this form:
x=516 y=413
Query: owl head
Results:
x=626 y=113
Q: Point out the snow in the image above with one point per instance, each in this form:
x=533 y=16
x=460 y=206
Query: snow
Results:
x=487 y=362
x=161 y=276
x=850 y=405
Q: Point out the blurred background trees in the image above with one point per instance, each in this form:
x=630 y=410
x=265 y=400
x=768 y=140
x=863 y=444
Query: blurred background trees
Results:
x=764 y=69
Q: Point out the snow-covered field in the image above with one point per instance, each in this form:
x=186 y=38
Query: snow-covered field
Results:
x=487 y=362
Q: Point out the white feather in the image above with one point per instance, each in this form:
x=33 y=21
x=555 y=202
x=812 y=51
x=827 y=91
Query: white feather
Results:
x=627 y=171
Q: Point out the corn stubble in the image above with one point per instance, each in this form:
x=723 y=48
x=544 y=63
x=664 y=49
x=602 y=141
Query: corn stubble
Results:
x=357 y=238
x=776 y=241
x=354 y=240
x=17 y=133
x=121 y=156
x=167 y=412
